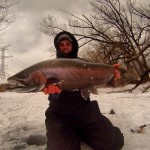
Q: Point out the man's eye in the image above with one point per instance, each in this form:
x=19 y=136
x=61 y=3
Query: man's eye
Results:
x=61 y=44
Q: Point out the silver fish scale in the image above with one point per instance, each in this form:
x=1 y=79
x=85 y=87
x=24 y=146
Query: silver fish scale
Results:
x=67 y=73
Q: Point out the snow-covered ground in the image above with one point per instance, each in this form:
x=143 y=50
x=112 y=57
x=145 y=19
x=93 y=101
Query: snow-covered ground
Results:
x=22 y=118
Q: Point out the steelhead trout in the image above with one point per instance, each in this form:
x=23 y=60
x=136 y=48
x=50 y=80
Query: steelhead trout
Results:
x=68 y=74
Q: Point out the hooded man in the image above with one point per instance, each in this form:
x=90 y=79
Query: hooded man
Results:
x=70 y=118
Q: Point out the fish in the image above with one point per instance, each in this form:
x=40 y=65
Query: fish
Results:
x=67 y=74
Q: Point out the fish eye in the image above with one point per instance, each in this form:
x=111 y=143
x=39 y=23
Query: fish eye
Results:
x=23 y=76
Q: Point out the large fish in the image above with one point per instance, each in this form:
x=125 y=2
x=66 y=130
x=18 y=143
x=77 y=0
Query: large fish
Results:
x=68 y=74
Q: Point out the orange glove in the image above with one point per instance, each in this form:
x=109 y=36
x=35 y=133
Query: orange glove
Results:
x=116 y=72
x=51 y=89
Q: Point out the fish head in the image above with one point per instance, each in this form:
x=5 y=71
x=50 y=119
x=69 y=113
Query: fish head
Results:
x=19 y=79
x=27 y=81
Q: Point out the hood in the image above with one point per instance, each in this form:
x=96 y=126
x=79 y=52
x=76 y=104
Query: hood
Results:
x=74 y=52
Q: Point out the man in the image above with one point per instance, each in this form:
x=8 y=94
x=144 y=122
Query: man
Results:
x=70 y=118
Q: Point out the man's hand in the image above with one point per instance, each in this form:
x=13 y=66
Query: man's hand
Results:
x=116 y=72
x=51 y=89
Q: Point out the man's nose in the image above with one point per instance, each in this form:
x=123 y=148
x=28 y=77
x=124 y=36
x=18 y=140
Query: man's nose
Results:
x=65 y=46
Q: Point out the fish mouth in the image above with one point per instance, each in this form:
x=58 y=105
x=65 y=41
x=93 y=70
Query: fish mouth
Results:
x=22 y=87
x=17 y=83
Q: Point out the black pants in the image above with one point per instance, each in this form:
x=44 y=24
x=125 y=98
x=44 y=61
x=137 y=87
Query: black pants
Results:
x=67 y=127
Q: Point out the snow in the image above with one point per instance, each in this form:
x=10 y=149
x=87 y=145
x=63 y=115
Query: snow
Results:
x=22 y=118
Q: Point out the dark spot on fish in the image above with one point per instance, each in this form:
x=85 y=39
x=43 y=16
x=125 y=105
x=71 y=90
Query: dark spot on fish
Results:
x=52 y=80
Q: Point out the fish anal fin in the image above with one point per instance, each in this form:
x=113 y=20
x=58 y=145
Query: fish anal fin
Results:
x=86 y=92
x=93 y=90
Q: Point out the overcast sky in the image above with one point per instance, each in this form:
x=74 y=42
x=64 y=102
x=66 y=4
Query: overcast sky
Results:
x=28 y=44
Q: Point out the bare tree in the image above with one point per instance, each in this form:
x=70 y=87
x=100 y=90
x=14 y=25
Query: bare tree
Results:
x=6 y=13
x=122 y=31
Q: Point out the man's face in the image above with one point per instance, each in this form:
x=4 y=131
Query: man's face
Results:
x=65 y=46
